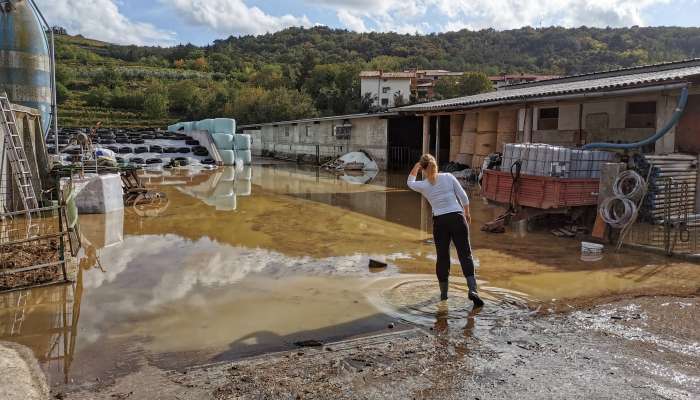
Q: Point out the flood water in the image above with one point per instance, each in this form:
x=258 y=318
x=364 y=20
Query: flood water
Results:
x=253 y=260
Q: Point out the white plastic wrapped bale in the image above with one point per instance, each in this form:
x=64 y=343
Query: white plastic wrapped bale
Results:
x=242 y=187
x=245 y=156
x=174 y=127
x=242 y=142
x=99 y=194
x=244 y=172
x=228 y=157
x=224 y=125
x=204 y=125
x=228 y=174
x=223 y=141
x=361 y=158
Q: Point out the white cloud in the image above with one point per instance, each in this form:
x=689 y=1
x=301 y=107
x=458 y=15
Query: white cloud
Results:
x=443 y=15
x=234 y=17
x=102 y=20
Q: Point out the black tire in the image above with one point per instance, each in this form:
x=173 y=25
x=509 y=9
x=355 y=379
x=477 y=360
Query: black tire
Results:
x=156 y=149
x=192 y=142
x=107 y=141
x=113 y=148
x=125 y=150
x=123 y=140
x=141 y=149
x=201 y=153
x=137 y=141
x=148 y=137
x=169 y=150
x=119 y=160
x=154 y=161
x=208 y=161
x=183 y=150
x=136 y=160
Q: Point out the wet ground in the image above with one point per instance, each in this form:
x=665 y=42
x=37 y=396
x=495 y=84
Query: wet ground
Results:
x=252 y=261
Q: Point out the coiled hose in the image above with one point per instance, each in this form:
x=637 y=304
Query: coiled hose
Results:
x=616 y=216
x=629 y=184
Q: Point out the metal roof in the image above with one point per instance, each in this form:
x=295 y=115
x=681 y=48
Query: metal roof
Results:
x=318 y=119
x=603 y=82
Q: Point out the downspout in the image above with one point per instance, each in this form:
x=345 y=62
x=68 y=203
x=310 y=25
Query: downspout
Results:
x=682 y=102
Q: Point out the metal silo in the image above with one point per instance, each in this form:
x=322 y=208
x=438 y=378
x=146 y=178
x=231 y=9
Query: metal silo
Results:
x=25 y=64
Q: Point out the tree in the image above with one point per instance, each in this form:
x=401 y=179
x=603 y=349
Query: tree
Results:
x=155 y=102
x=62 y=92
x=108 y=77
x=186 y=99
x=470 y=83
x=98 y=97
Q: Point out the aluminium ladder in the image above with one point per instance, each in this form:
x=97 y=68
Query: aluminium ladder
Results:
x=16 y=155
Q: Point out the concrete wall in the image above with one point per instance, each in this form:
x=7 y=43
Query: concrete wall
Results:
x=311 y=140
x=600 y=120
x=32 y=136
x=377 y=88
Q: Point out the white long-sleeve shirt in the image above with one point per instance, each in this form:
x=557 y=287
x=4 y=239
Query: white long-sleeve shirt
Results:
x=446 y=196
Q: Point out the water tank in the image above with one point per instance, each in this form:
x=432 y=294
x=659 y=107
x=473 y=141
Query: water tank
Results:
x=25 y=67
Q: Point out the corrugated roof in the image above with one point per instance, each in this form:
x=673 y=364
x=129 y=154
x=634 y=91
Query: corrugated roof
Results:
x=387 y=75
x=606 y=81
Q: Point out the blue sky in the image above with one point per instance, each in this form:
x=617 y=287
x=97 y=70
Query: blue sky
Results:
x=168 y=22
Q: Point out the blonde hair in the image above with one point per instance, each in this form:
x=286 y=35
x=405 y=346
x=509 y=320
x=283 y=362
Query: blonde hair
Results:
x=430 y=167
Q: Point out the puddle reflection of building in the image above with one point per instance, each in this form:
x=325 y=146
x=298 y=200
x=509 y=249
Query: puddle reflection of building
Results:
x=222 y=188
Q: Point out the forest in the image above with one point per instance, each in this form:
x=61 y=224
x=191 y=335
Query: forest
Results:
x=305 y=72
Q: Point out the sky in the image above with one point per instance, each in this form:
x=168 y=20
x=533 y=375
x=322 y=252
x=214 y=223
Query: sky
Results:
x=170 y=22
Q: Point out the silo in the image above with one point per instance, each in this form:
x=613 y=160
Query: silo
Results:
x=25 y=66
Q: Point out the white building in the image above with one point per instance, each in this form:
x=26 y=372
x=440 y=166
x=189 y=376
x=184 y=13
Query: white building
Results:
x=387 y=89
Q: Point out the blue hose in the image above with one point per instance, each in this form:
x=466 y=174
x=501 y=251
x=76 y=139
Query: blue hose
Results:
x=682 y=101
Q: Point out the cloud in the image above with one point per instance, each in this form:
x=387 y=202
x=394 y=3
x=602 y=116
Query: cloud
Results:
x=444 y=15
x=102 y=20
x=233 y=17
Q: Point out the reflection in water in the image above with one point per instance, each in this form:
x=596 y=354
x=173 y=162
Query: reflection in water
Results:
x=45 y=320
x=200 y=283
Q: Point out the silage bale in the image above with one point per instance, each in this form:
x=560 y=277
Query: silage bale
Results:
x=223 y=141
x=242 y=142
x=228 y=157
x=224 y=125
x=245 y=156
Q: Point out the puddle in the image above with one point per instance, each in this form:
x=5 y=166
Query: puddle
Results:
x=252 y=260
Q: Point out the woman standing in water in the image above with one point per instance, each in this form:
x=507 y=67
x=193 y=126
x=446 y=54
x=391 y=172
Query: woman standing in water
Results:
x=451 y=218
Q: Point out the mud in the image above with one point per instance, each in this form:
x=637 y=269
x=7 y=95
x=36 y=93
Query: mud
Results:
x=247 y=262
x=520 y=356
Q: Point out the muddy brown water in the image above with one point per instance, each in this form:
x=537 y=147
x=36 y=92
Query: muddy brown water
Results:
x=254 y=260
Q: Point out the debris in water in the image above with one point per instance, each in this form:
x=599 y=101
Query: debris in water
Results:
x=308 y=343
x=374 y=264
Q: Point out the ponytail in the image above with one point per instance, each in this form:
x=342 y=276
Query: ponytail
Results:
x=430 y=168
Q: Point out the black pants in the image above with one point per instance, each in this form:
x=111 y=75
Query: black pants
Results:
x=452 y=228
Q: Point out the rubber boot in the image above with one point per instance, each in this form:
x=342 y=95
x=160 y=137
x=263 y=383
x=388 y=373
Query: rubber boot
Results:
x=473 y=294
x=443 y=290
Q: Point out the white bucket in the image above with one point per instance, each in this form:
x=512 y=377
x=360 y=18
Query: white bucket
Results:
x=591 y=251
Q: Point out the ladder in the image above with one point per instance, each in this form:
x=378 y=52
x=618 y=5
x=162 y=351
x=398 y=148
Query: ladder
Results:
x=16 y=155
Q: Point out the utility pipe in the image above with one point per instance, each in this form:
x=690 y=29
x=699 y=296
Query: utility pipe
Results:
x=682 y=102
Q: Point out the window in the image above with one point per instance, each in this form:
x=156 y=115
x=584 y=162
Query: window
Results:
x=548 y=119
x=385 y=102
x=308 y=131
x=385 y=89
x=286 y=131
x=641 y=114
x=343 y=131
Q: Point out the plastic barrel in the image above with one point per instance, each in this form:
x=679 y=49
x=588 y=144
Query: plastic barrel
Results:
x=228 y=156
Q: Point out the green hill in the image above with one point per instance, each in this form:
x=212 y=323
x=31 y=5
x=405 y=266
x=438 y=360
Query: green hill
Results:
x=302 y=72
